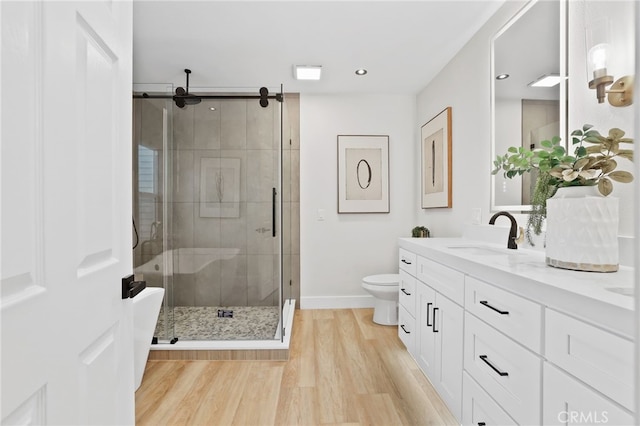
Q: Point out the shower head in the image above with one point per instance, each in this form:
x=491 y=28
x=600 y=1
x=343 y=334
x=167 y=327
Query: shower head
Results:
x=183 y=98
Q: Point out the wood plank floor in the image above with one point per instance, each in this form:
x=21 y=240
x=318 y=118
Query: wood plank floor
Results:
x=343 y=369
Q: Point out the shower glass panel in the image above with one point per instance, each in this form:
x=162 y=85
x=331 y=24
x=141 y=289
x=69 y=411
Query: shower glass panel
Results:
x=153 y=196
x=222 y=211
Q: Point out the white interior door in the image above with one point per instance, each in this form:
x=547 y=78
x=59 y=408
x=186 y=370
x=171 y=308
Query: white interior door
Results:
x=66 y=212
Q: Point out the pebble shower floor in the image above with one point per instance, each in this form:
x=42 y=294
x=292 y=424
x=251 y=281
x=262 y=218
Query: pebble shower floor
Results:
x=203 y=323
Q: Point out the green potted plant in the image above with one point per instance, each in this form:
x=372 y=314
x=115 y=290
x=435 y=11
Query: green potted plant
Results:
x=420 y=232
x=592 y=164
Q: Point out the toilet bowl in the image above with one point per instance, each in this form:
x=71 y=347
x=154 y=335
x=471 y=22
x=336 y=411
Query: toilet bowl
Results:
x=384 y=289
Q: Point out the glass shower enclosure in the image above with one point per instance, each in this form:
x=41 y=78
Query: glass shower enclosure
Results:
x=208 y=187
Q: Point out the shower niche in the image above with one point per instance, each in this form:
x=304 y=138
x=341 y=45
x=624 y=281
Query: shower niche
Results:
x=216 y=206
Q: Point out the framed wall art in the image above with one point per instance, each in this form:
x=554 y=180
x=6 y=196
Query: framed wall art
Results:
x=435 y=141
x=219 y=187
x=363 y=174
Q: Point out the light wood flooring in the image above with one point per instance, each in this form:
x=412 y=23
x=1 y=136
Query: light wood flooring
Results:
x=343 y=369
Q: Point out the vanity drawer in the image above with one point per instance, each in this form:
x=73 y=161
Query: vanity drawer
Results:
x=407 y=293
x=568 y=401
x=443 y=279
x=479 y=408
x=407 y=261
x=406 y=329
x=516 y=317
x=508 y=372
x=597 y=357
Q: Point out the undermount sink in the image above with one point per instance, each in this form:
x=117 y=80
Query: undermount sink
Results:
x=625 y=291
x=482 y=250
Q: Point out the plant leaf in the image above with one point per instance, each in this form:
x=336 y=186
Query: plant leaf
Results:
x=605 y=186
x=546 y=144
x=512 y=149
x=608 y=166
x=626 y=153
x=594 y=139
x=621 y=176
x=616 y=133
x=581 y=163
x=586 y=127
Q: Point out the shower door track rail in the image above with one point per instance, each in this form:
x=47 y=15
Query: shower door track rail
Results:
x=278 y=96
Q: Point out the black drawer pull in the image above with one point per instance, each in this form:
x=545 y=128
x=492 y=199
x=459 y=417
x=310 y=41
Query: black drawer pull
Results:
x=405 y=292
x=493 y=367
x=428 y=306
x=481 y=424
x=405 y=261
x=434 y=319
x=403 y=329
x=485 y=303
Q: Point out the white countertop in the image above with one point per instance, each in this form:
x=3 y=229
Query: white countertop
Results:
x=582 y=294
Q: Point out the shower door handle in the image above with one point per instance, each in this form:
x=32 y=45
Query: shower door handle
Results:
x=273 y=212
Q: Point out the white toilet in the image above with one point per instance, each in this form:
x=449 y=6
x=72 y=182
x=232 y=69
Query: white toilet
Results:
x=384 y=288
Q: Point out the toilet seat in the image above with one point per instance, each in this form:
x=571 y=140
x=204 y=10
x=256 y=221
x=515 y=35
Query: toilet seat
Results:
x=382 y=279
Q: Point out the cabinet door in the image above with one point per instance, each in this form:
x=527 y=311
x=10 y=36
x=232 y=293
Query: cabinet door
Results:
x=426 y=337
x=447 y=328
x=567 y=401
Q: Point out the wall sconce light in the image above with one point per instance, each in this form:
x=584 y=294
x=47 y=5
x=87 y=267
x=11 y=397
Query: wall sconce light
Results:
x=621 y=92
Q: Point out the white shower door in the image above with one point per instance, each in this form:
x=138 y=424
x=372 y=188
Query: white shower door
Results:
x=66 y=213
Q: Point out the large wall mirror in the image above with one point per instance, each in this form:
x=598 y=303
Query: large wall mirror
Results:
x=524 y=111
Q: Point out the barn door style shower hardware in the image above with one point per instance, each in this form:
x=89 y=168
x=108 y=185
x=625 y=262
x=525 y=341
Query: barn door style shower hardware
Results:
x=182 y=97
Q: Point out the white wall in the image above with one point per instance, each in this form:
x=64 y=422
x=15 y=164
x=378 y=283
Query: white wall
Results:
x=583 y=105
x=338 y=251
x=464 y=84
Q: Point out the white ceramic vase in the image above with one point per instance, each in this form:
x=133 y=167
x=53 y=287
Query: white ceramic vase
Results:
x=582 y=230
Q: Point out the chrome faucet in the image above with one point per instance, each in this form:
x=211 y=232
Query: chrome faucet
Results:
x=513 y=232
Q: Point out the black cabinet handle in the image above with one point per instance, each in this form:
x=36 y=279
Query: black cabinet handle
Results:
x=434 y=319
x=485 y=303
x=428 y=306
x=493 y=367
x=481 y=424
x=405 y=261
x=405 y=292
x=403 y=329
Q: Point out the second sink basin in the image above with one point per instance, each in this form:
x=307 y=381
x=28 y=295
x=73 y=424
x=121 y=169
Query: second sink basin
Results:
x=482 y=250
x=626 y=291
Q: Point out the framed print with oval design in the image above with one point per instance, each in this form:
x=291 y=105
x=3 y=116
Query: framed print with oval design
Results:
x=363 y=174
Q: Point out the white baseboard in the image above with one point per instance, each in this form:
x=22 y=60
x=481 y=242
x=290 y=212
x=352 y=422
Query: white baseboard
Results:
x=336 y=302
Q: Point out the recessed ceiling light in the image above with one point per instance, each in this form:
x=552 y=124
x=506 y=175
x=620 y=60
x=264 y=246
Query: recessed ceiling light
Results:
x=502 y=76
x=307 y=72
x=361 y=71
x=212 y=108
x=548 y=80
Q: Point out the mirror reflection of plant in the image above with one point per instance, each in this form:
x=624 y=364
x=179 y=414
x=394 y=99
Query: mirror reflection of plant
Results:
x=590 y=165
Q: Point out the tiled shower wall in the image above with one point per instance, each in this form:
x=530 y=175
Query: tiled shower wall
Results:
x=246 y=270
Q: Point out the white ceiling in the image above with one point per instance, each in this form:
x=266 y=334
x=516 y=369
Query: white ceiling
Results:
x=237 y=44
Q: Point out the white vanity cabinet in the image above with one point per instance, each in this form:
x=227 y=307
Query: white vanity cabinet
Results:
x=505 y=339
